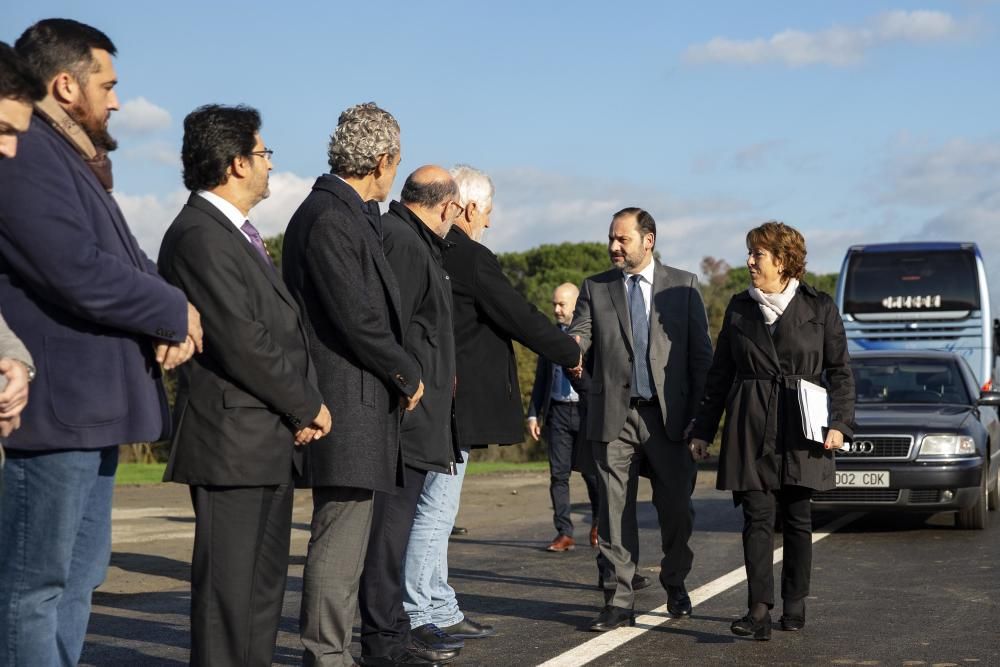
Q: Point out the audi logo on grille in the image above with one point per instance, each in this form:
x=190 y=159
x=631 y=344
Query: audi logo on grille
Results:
x=859 y=447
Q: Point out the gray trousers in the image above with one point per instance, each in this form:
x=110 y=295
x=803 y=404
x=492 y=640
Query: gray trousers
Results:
x=643 y=441
x=341 y=523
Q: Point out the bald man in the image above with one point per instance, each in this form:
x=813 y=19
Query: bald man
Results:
x=414 y=230
x=554 y=413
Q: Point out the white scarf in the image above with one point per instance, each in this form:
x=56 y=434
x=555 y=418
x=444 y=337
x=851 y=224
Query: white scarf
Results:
x=773 y=305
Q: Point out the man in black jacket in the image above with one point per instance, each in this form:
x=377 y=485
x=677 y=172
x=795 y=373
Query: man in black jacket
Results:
x=488 y=313
x=246 y=402
x=414 y=231
x=334 y=266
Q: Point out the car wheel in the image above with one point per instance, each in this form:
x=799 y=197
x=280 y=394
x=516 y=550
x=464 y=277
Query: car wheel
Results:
x=974 y=518
x=993 y=493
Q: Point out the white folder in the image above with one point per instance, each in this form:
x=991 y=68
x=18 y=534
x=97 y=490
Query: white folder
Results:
x=814 y=409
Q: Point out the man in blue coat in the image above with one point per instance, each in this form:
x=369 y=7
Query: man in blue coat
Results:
x=97 y=318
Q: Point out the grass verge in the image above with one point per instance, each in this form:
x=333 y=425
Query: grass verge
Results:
x=152 y=473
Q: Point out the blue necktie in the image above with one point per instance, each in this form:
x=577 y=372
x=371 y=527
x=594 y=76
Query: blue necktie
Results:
x=565 y=388
x=641 y=382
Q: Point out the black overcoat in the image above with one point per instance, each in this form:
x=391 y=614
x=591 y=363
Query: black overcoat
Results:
x=488 y=314
x=754 y=378
x=415 y=254
x=333 y=263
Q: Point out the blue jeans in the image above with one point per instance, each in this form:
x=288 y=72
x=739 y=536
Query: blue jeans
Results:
x=427 y=597
x=55 y=523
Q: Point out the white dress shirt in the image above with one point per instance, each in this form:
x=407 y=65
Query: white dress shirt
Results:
x=227 y=209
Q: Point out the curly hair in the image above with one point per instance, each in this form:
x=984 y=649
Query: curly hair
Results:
x=214 y=136
x=364 y=132
x=784 y=242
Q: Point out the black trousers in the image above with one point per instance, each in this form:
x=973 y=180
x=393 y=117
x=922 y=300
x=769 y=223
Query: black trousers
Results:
x=759 y=511
x=562 y=426
x=385 y=627
x=238 y=572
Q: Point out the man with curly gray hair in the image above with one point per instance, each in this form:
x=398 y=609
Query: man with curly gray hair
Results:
x=334 y=265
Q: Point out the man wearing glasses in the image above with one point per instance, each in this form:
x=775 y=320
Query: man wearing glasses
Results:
x=414 y=230
x=248 y=403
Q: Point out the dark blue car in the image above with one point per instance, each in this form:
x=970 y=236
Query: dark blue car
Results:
x=927 y=439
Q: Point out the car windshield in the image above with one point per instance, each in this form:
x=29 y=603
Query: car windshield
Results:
x=900 y=380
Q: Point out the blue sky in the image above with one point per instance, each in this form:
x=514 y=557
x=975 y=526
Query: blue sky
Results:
x=855 y=122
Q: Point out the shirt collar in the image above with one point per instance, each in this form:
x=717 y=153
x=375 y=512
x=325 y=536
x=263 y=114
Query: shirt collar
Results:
x=225 y=207
x=647 y=273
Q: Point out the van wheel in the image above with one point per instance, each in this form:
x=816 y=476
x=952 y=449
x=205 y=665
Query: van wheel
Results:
x=974 y=518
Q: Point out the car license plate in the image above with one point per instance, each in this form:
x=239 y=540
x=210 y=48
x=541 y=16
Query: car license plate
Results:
x=872 y=479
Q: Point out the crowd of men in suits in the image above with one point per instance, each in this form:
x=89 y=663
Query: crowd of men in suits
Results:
x=367 y=369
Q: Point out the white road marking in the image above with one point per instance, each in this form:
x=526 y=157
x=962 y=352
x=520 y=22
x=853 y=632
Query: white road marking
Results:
x=609 y=641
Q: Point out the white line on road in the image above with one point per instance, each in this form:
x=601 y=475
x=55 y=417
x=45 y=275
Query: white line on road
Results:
x=609 y=641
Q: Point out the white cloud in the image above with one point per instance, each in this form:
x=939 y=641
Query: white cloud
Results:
x=159 y=152
x=837 y=46
x=939 y=176
x=149 y=215
x=139 y=116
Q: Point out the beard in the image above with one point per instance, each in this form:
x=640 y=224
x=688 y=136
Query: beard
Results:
x=95 y=128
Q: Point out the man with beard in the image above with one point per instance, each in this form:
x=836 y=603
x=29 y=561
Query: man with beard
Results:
x=645 y=326
x=246 y=403
x=96 y=316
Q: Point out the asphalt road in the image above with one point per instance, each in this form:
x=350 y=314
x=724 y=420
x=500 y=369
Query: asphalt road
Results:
x=887 y=589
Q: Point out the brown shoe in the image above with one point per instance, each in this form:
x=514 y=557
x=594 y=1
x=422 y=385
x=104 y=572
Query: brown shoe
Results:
x=562 y=543
x=593 y=535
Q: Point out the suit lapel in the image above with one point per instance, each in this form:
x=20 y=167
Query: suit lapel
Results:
x=616 y=288
x=253 y=256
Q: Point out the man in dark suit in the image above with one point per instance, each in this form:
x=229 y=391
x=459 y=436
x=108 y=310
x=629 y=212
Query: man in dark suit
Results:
x=96 y=317
x=335 y=267
x=414 y=230
x=645 y=325
x=244 y=404
x=554 y=411
x=488 y=313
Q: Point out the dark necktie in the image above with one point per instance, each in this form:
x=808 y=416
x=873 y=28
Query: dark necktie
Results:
x=256 y=241
x=641 y=382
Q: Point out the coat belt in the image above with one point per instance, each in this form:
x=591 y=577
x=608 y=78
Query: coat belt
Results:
x=770 y=444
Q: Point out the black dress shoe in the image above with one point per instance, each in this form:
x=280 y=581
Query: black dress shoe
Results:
x=404 y=659
x=612 y=617
x=459 y=530
x=678 y=601
x=434 y=636
x=434 y=653
x=748 y=627
x=469 y=629
x=639 y=582
x=793 y=616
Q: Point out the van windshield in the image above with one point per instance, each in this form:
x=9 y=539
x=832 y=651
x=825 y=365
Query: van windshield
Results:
x=941 y=280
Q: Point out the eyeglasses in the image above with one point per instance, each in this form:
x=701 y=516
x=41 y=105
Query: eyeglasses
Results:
x=267 y=152
x=461 y=209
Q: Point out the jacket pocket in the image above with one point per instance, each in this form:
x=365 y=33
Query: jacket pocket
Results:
x=86 y=380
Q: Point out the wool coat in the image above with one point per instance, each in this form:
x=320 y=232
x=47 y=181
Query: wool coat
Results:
x=334 y=266
x=754 y=379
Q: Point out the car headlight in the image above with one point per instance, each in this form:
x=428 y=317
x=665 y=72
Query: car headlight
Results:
x=947 y=445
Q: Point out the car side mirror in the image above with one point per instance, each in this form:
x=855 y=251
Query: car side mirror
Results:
x=990 y=398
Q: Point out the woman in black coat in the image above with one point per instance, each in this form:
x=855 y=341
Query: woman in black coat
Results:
x=776 y=333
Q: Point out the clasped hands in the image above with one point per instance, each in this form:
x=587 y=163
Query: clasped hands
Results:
x=319 y=427
x=14 y=396
x=172 y=355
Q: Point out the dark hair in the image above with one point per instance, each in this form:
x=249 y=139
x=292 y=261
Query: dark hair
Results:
x=784 y=242
x=17 y=81
x=62 y=45
x=214 y=136
x=428 y=193
x=643 y=219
